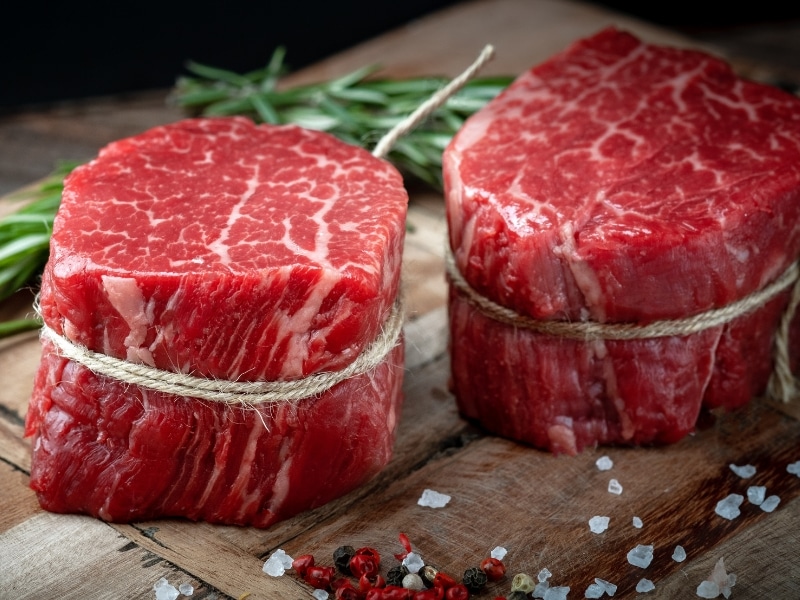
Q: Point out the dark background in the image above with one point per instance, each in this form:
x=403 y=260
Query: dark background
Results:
x=75 y=50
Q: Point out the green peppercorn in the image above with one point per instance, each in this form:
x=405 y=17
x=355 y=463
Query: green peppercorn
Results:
x=522 y=582
x=475 y=579
x=341 y=558
x=517 y=595
x=395 y=575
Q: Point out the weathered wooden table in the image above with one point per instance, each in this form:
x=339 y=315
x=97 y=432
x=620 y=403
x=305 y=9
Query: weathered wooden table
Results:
x=534 y=504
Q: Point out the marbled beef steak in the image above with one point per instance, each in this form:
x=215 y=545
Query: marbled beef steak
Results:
x=229 y=251
x=619 y=182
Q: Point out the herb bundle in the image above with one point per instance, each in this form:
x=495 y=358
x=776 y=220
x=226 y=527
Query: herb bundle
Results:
x=354 y=108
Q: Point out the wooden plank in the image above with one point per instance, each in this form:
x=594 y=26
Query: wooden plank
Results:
x=70 y=556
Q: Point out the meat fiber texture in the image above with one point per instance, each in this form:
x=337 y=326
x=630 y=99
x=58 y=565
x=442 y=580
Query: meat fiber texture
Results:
x=619 y=182
x=229 y=251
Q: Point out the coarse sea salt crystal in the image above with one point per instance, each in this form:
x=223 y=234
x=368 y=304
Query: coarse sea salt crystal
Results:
x=160 y=583
x=614 y=487
x=637 y=522
x=320 y=595
x=165 y=591
x=541 y=589
x=744 y=471
x=277 y=564
x=594 y=591
x=708 y=589
x=756 y=494
x=607 y=586
x=544 y=575
x=498 y=552
x=770 y=504
x=679 y=555
x=604 y=463
x=433 y=499
x=598 y=524
x=644 y=586
x=413 y=562
x=186 y=589
x=641 y=556
x=793 y=468
x=557 y=593
x=720 y=582
x=728 y=507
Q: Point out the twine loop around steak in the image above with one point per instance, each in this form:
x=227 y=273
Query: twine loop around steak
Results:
x=782 y=384
x=231 y=392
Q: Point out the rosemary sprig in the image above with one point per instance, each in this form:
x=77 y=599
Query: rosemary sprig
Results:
x=25 y=234
x=354 y=108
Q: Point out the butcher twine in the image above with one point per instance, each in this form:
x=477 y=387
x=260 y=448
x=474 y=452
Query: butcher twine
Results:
x=263 y=392
x=782 y=383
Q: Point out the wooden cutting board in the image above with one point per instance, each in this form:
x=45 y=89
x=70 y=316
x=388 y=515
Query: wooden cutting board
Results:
x=502 y=494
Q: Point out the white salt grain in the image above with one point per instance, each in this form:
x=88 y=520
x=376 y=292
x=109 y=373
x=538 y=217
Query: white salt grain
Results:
x=744 y=471
x=793 y=468
x=320 y=594
x=728 y=507
x=598 y=524
x=277 y=563
x=544 y=575
x=637 y=522
x=756 y=494
x=708 y=589
x=594 y=591
x=556 y=593
x=614 y=487
x=679 y=555
x=541 y=589
x=770 y=504
x=433 y=499
x=644 y=586
x=607 y=586
x=604 y=463
x=720 y=582
x=165 y=591
x=641 y=556
x=413 y=562
x=498 y=552
x=186 y=589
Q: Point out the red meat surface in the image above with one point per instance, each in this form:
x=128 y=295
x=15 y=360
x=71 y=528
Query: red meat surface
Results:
x=230 y=251
x=619 y=182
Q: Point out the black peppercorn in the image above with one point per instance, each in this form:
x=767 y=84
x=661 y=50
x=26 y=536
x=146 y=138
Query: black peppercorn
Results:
x=475 y=579
x=395 y=575
x=341 y=558
x=517 y=595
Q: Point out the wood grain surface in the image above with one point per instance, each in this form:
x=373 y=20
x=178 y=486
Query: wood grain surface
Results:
x=535 y=504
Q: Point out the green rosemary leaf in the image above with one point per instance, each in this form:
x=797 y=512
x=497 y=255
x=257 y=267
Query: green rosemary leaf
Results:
x=264 y=109
x=200 y=97
x=310 y=118
x=217 y=74
x=352 y=78
x=9 y=328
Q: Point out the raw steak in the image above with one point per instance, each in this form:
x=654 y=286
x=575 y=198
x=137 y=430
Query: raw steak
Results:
x=228 y=251
x=619 y=182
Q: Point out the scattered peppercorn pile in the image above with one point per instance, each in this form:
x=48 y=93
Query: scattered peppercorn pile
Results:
x=359 y=577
